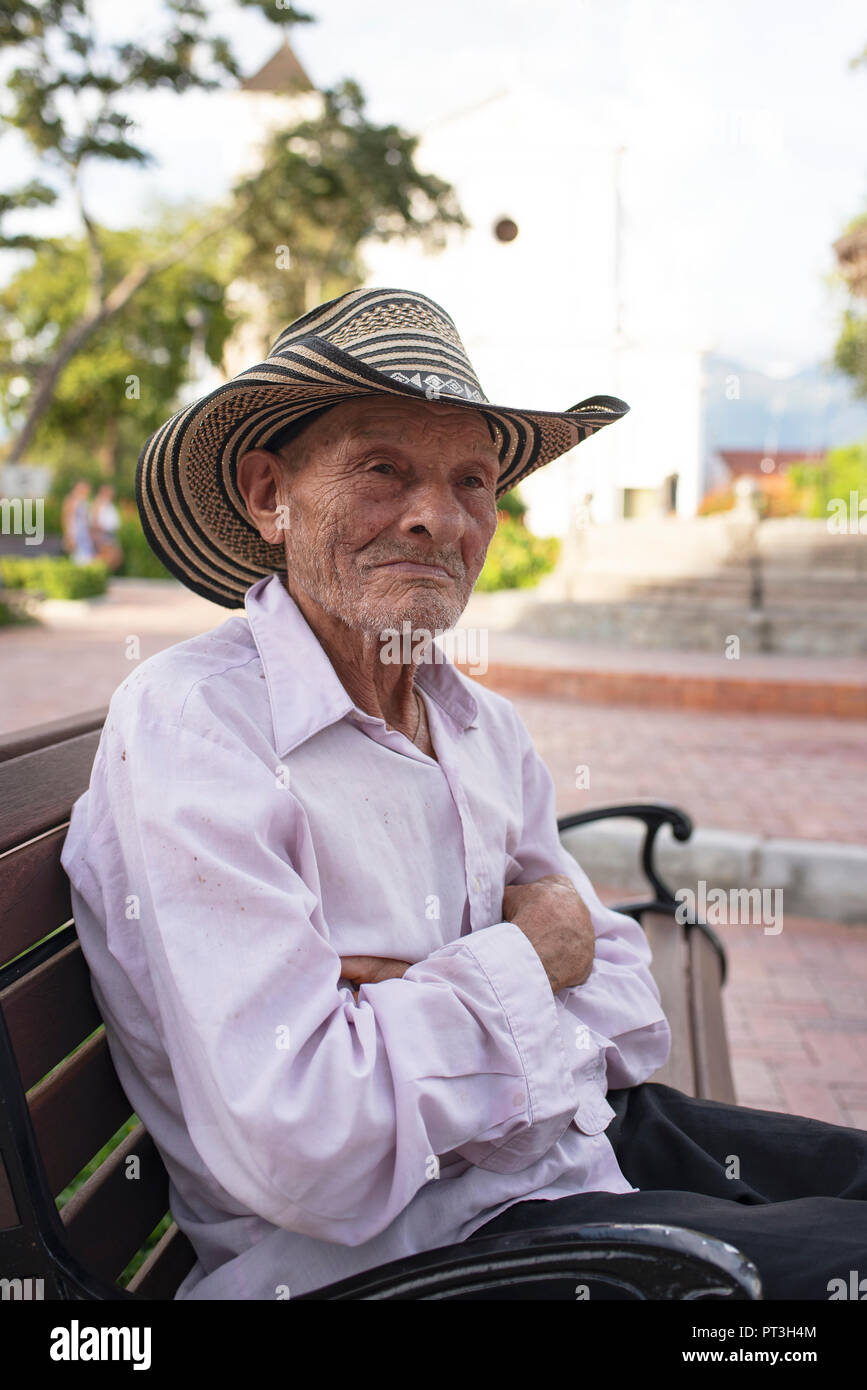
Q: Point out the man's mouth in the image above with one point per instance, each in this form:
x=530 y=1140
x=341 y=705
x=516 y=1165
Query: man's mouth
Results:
x=416 y=567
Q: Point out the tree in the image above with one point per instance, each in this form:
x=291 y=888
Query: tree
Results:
x=67 y=105
x=109 y=398
x=325 y=185
x=850 y=351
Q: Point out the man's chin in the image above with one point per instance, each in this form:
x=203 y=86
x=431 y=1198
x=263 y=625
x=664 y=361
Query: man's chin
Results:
x=425 y=614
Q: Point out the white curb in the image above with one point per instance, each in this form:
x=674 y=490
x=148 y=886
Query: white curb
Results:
x=818 y=878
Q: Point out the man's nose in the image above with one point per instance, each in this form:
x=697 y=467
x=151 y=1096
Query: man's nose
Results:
x=433 y=506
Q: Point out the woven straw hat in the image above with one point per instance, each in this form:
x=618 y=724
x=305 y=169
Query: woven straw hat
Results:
x=389 y=341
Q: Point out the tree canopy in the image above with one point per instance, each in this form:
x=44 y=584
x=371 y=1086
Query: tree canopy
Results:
x=88 y=313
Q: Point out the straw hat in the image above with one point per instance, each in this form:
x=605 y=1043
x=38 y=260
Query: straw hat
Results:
x=370 y=341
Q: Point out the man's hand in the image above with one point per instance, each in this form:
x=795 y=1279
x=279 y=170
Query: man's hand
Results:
x=557 y=921
x=369 y=970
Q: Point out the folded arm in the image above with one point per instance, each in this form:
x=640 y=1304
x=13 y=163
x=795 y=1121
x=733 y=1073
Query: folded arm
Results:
x=317 y=1111
x=619 y=1035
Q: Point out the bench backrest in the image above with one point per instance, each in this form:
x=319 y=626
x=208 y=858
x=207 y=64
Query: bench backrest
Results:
x=61 y=1099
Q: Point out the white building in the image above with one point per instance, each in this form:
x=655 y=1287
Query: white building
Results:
x=539 y=315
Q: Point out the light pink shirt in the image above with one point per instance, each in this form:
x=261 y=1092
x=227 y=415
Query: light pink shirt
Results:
x=246 y=824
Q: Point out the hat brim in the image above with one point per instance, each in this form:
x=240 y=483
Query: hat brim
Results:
x=195 y=519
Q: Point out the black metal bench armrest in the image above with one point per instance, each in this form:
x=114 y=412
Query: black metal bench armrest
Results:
x=641 y=1261
x=653 y=815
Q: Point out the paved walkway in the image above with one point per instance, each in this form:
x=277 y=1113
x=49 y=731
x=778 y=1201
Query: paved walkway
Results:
x=774 y=775
x=75 y=659
x=795 y=1008
x=796 y=1016
x=796 y=1005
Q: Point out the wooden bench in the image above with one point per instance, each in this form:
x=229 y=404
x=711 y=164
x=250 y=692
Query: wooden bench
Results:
x=61 y=1102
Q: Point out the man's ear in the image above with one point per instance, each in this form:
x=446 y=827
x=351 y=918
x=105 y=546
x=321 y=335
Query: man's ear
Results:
x=261 y=483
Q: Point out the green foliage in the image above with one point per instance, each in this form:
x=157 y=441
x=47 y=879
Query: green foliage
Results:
x=55 y=577
x=516 y=558
x=843 y=471
x=69 y=86
x=139 y=561
x=850 y=351
x=511 y=503
x=111 y=396
x=52 y=516
x=325 y=185
x=89 y=315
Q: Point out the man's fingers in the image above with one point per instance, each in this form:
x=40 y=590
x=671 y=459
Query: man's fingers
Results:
x=369 y=970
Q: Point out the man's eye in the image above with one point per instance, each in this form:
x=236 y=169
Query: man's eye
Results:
x=383 y=464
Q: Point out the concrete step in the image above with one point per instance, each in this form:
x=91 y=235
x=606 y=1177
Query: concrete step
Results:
x=707 y=625
x=776 y=587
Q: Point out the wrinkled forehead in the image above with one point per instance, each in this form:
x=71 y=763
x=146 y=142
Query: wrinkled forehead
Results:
x=381 y=417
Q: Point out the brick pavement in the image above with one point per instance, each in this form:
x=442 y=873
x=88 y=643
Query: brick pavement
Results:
x=796 y=1005
x=74 y=660
x=796 y=1015
x=795 y=1008
x=775 y=775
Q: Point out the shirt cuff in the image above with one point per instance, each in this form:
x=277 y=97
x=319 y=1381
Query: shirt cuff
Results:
x=540 y=1029
x=587 y=1050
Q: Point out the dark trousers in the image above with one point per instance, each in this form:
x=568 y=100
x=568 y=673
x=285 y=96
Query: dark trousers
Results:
x=798 y=1208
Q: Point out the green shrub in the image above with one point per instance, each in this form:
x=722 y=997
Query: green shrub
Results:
x=844 y=470
x=52 y=518
x=139 y=561
x=54 y=576
x=512 y=503
x=516 y=558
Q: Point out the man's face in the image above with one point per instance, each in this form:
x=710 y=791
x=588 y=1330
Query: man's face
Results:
x=389 y=512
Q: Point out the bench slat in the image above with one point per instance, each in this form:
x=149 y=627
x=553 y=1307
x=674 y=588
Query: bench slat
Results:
x=49 y=1013
x=670 y=967
x=37 y=789
x=713 y=1071
x=34 y=893
x=36 y=736
x=112 y=1214
x=76 y=1110
x=166 y=1266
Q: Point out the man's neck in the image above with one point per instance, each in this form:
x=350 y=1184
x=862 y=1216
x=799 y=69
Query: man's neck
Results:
x=383 y=689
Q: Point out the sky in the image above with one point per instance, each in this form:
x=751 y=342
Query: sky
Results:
x=743 y=127
x=742 y=130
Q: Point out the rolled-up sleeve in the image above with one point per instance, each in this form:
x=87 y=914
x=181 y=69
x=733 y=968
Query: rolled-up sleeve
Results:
x=321 y=1113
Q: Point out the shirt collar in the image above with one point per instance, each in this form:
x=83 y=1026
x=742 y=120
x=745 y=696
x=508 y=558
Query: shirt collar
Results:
x=304 y=689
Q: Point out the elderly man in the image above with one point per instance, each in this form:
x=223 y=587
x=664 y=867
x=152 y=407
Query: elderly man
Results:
x=360 y=996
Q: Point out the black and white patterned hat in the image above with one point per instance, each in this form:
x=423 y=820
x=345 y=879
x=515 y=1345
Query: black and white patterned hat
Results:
x=369 y=341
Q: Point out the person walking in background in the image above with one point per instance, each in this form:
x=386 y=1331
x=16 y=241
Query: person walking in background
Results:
x=77 y=539
x=105 y=527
